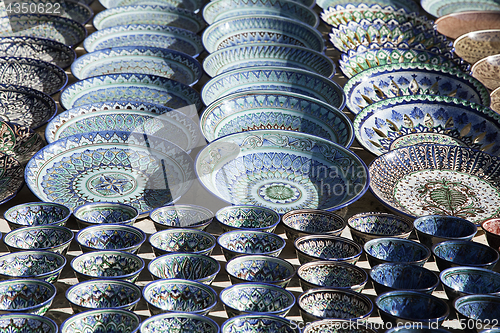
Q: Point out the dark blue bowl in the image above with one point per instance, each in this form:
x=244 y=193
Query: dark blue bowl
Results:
x=464 y=253
x=433 y=229
x=331 y=274
x=385 y=250
x=462 y=281
x=368 y=226
x=478 y=310
x=327 y=247
x=259 y=323
x=397 y=276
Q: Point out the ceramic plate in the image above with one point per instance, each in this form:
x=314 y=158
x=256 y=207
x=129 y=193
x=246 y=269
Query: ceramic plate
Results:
x=477 y=45
x=37 y=48
x=343 y=14
x=277 y=78
x=277 y=110
x=136 y=117
x=19 y=142
x=149 y=14
x=279 y=55
x=142 y=171
x=281 y=170
x=440 y=8
x=487 y=71
x=25 y=106
x=222 y=9
x=457 y=24
x=32 y=73
x=495 y=100
x=60 y=29
x=11 y=177
x=421 y=119
x=389 y=81
x=70 y=9
x=409 y=6
x=167 y=63
x=191 y=5
x=438 y=180
x=145 y=35
x=261 y=29
x=132 y=87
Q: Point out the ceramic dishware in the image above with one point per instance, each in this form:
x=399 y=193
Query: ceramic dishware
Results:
x=51 y=238
x=182 y=322
x=26 y=296
x=406 y=5
x=102 y=320
x=303 y=222
x=19 y=142
x=455 y=253
x=434 y=229
x=397 y=276
x=191 y=5
x=16 y=323
x=330 y=274
x=372 y=225
x=247 y=217
x=398 y=250
x=259 y=323
x=491 y=230
x=241 y=242
x=487 y=70
x=36 y=213
x=41 y=265
x=327 y=247
x=182 y=240
x=94 y=213
x=181 y=216
x=478 y=310
x=462 y=280
x=117 y=237
x=438 y=8
x=477 y=45
x=460 y=23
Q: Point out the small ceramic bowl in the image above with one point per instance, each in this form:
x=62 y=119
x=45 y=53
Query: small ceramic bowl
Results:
x=107 y=265
x=330 y=274
x=336 y=326
x=252 y=298
x=189 y=266
x=464 y=253
x=326 y=247
x=178 y=295
x=240 y=242
x=44 y=238
x=260 y=268
x=116 y=237
x=368 y=226
x=181 y=216
x=433 y=229
x=94 y=213
x=102 y=321
x=42 y=265
x=403 y=306
x=27 y=296
x=247 y=217
x=325 y=303
x=36 y=214
x=182 y=240
x=397 y=276
x=102 y=294
x=260 y=323
x=478 y=310
x=179 y=322
x=304 y=222
x=385 y=250
x=18 y=323
x=491 y=229
x=462 y=281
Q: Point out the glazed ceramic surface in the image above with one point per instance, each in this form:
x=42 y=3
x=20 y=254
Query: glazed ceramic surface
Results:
x=36 y=213
x=491 y=229
x=461 y=281
x=481 y=310
x=191 y=5
x=45 y=238
x=247 y=217
x=259 y=323
x=115 y=237
x=180 y=322
x=75 y=10
x=455 y=25
x=396 y=276
x=495 y=100
x=487 y=71
x=455 y=253
x=42 y=265
x=240 y=242
x=409 y=6
x=182 y=240
x=327 y=247
x=440 y=8
x=102 y=320
x=145 y=35
x=253 y=110
x=328 y=274
x=342 y=14
x=434 y=229
x=371 y=225
x=181 y=216
x=477 y=45
x=93 y=213
x=236 y=169
x=391 y=249
x=27 y=296
x=18 y=141
x=19 y=323
x=298 y=223
x=11 y=177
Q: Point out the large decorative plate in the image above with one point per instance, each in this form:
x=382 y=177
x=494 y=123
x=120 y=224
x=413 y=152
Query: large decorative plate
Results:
x=343 y=14
x=422 y=119
x=145 y=35
x=408 y=5
x=487 y=71
x=11 y=177
x=191 y=5
x=395 y=80
x=495 y=100
x=277 y=55
x=281 y=170
x=60 y=29
x=167 y=63
x=19 y=142
x=149 y=14
x=142 y=171
x=32 y=73
x=267 y=29
x=457 y=24
x=440 y=8
x=37 y=48
x=477 y=45
x=132 y=87
x=263 y=109
x=277 y=78
x=438 y=179
x=70 y=9
x=222 y=9
x=136 y=117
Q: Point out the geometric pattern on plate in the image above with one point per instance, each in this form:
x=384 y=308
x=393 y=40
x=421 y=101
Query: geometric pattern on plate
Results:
x=191 y=5
x=343 y=14
x=409 y=6
x=102 y=320
x=32 y=264
x=19 y=142
x=26 y=296
x=11 y=177
x=477 y=45
x=487 y=71
x=440 y=8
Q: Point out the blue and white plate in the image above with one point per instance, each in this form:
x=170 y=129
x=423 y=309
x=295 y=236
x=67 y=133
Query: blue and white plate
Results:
x=440 y=8
x=191 y=5
x=342 y=14
x=75 y=10
x=19 y=142
x=408 y=5
x=11 y=177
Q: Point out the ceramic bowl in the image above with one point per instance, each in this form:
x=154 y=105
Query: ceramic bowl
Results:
x=397 y=276
x=267 y=29
x=404 y=306
x=41 y=265
x=252 y=298
x=260 y=268
x=27 y=296
x=149 y=14
x=479 y=311
x=455 y=253
x=372 y=225
x=247 y=217
x=461 y=23
x=343 y=14
x=461 y=281
x=11 y=177
x=93 y=213
x=297 y=81
x=188 y=266
x=17 y=323
x=397 y=250
x=182 y=240
x=434 y=229
x=477 y=45
x=406 y=5
x=114 y=265
x=336 y=326
x=191 y=5
x=179 y=322
x=102 y=320
x=240 y=242
x=145 y=35
x=327 y=247
x=181 y=216
x=324 y=303
x=178 y=295
x=239 y=173
x=36 y=214
x=329 y=274
x=19 y=142
x=487 y=71
x=110 y=236
x=259 y=323
x=304 y=222
x=491 y=230
x=77 y=11
x=437 y=8
x=495 y=100
x=102 y=294
x=50 y=238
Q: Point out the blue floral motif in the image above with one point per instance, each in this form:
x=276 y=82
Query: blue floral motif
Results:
x=417 y=113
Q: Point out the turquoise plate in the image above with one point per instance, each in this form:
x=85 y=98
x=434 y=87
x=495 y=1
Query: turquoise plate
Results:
x=191 y=5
